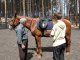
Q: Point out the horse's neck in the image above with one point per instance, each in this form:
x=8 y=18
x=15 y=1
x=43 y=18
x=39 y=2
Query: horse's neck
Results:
x=28 y=24
x=31 y=22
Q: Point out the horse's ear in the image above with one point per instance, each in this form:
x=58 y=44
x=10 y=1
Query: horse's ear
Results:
x=15 y=15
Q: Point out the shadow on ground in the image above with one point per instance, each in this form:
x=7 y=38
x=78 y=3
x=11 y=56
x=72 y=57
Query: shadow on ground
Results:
x=29 y=56
x=44 y=49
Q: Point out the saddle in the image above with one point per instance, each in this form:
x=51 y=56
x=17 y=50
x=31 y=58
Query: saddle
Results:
x=43 y=23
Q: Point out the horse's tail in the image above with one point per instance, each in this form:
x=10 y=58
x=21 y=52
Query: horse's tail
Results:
x=67 y=22
x=68 y=34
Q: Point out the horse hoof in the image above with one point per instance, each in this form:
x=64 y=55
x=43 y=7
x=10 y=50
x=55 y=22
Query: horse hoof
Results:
x=39 y=57
x=35 y=53
x=67 y=53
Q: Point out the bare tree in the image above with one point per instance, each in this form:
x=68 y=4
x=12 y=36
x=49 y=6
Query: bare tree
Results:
x=68 y=9
x=35 y=7
x=5 y=13
x=0 y=8
x=28 y=7
x=79 y=14
x=61 y=6
x=23 y=7
x=76 y=12
x=56 y=6
x=51 y=8
x=43 y=8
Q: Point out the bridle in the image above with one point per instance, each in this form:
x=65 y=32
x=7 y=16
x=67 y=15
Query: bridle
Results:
x=14 y=25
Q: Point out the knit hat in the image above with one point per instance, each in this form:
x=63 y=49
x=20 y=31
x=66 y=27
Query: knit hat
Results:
x=22 y=20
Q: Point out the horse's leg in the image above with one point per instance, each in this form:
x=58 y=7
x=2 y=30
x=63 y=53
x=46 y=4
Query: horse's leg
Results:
x=37 y=50
x=38 y=45
x=68 y=41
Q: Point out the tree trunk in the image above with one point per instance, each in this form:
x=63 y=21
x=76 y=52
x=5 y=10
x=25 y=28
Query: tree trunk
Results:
x=0 y=10
x=43 y=8
x=61 y=6
x=50 y=7
x=30 y=8
x=68 y=9
x=79 y=14
x=35 y=6
x=76 y=13
x=24 y=7
x=5 y=13
x=56 y=6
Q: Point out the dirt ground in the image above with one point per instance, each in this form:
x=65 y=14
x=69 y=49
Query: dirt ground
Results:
x=9 y=49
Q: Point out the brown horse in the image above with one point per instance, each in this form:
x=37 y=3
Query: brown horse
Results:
x=31 y=23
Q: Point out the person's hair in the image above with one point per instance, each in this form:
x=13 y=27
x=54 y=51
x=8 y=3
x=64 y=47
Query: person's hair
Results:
x=57 y=16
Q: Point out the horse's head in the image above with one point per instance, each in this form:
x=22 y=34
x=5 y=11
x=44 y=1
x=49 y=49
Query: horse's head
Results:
x=14 y=22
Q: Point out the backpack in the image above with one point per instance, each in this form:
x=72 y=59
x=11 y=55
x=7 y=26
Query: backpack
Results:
x=43 y=23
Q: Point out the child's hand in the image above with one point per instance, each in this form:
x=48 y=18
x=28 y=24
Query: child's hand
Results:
x=23 y=46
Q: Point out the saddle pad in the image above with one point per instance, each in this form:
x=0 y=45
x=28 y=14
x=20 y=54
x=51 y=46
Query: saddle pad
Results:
x=49 y=26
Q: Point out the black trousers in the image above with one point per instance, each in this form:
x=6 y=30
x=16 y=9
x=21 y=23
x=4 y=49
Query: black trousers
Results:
x=58 y=52
x=23 y=52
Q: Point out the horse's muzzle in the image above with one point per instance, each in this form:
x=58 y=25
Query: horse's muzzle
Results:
x=10 y=27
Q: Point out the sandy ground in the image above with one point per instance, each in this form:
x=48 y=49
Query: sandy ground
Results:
x=9 y=49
